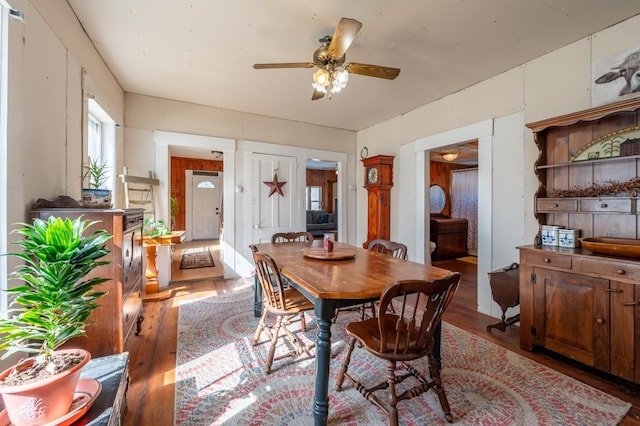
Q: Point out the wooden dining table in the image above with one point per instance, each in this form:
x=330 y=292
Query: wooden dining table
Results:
x=338 y=281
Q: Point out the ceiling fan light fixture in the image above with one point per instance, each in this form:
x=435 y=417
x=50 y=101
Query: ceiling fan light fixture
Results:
x=450 y=156
x=321 y=79
x=339 y=80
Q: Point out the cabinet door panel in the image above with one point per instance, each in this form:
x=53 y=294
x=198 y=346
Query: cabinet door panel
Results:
x=636 y=318
x=622 y=330
x=574 y=316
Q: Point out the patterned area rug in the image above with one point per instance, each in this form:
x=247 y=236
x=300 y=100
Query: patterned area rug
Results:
x=199 y=257
x=220 y=379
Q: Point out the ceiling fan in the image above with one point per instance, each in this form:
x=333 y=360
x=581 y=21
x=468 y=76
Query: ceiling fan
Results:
x=333 y=69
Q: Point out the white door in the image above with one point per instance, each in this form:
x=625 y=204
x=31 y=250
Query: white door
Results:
x=273 y=211
x=206 y=190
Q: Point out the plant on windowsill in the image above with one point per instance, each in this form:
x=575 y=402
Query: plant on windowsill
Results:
x=95 y=175
x=51 y=306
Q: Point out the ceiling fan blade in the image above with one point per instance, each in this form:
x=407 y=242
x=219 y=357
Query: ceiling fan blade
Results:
x=373 y=70
x=317 y=95
x=285 y=65
x=343 y=36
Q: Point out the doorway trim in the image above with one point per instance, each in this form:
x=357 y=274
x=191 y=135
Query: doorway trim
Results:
x=163 y=141
x=482 y=132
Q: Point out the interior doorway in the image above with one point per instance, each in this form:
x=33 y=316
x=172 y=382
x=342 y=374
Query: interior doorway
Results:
x=322 y=194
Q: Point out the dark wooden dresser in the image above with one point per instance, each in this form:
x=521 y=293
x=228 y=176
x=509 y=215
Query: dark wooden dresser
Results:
x=450 y=236
x=120 y=312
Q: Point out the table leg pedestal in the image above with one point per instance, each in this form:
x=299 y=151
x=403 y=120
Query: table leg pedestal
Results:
x=152 y=285
x=324 y=311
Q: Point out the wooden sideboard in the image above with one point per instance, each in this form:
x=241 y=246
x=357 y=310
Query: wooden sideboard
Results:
x=120 y=310
x=574 y=302
x=582 y=306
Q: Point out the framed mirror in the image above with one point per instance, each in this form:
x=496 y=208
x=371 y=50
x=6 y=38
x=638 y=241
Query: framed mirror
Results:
x=437 y=199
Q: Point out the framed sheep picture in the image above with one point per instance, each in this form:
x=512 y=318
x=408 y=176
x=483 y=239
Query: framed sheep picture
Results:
x=616 y=77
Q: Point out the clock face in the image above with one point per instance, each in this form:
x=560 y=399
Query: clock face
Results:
x=372 y=175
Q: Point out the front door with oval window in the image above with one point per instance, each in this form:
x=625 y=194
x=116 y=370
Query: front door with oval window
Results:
x=205 y=205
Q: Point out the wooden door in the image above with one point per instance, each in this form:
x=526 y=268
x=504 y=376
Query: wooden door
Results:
x=205 y=209
x=273 y=212
x=572 y=316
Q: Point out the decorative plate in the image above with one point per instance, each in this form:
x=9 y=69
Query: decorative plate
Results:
x=337 y=253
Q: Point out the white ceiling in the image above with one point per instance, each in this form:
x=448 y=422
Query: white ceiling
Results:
x=202 y=51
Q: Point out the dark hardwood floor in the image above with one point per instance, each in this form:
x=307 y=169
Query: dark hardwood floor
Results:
x=153 y=352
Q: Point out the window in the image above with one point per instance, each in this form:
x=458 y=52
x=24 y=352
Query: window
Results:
x=314 y=198
x=95 y=138
x=206 y=184
x=5 y=12
x=101 y=140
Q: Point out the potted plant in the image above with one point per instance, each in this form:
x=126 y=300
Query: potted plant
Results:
x=175 y=209
x=50 y=306
x=155 y=228
x=96 y=174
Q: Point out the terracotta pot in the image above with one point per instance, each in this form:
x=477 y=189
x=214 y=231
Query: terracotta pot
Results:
x=44 y=401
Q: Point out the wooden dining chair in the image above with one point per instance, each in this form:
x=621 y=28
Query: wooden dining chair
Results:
x=283 y=302
x=292 y=237
x=405 y=335
x=393 y=248
x=397 y=250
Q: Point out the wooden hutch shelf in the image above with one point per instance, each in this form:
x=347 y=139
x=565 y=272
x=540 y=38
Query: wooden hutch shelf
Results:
x=574 y=302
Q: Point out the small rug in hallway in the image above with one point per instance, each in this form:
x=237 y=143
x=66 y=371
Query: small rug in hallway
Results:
x=468 y=259
x=199 y=257
x=220 y=379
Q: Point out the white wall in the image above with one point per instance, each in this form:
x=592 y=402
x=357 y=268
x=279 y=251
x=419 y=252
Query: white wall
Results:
x=554 y=84
x=153 y=125
x=50 y=58
x=49 y=61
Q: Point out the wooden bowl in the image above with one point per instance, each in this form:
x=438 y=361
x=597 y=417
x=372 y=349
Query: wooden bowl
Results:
x=621 y=247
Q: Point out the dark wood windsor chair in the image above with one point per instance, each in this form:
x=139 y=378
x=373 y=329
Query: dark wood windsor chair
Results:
x=393 y=248
x=291 y=237
x=404 y=335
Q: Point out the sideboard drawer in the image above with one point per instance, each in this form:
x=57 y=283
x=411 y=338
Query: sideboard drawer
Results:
x=614 y=270
x=607 y=205
x=548 y=259
x=551 y=205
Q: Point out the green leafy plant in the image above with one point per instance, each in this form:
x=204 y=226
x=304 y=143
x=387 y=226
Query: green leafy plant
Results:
x=153 y=228
x=55 y=301
x=175 y=207
x=95 y=173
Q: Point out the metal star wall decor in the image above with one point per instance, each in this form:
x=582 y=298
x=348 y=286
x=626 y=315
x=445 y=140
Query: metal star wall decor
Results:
x=275 y=185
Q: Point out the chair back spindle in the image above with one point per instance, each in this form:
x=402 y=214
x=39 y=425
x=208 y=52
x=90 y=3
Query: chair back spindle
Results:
x=271 y=281
x=393 y=248
x=417 y=310
x=292 y=237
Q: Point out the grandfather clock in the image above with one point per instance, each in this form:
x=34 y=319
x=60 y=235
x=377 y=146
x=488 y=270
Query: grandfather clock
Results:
x=378 y=180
